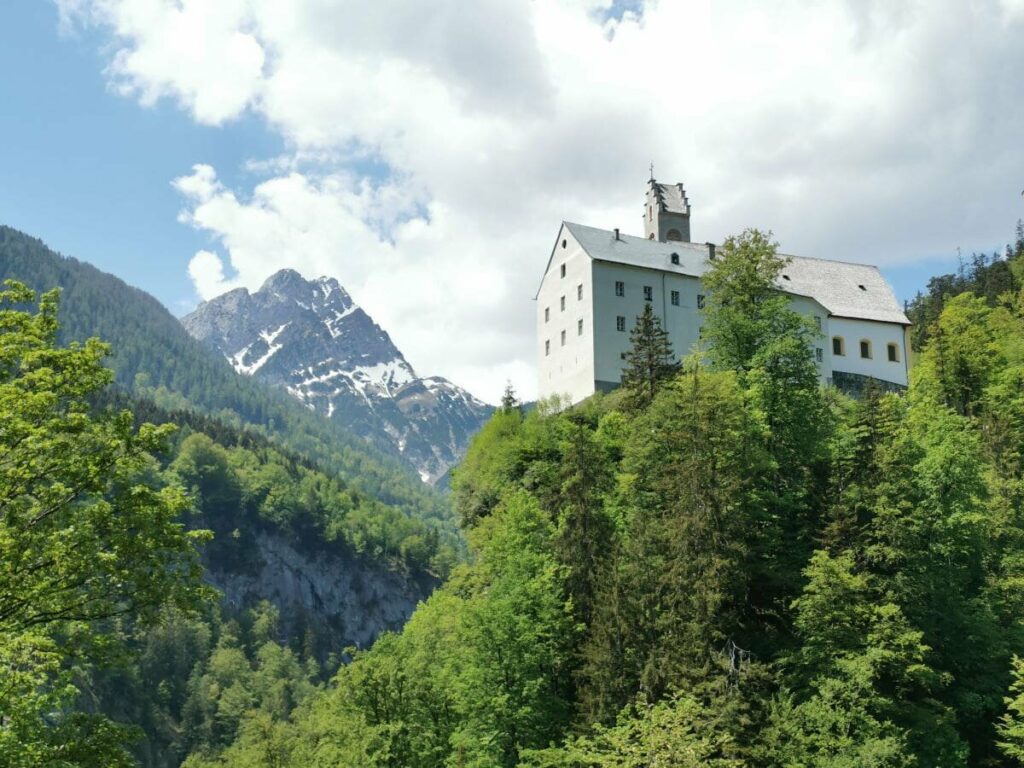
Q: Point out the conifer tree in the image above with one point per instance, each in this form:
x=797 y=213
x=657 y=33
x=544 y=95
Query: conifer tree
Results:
x=649 y=361
x=509 y=400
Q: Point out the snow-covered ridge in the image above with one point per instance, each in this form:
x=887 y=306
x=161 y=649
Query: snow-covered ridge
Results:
x=311 y=338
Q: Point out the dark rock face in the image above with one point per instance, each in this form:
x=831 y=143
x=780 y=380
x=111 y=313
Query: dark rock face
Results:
x=310 y=337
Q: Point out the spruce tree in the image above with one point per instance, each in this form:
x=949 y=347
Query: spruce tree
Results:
x=649 y=362
x=509 y=400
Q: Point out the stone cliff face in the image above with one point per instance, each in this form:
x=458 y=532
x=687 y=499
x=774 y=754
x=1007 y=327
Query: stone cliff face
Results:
x=311 y=338
x=347 y=599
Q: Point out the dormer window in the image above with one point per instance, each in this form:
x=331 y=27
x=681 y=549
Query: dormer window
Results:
x=675 y=258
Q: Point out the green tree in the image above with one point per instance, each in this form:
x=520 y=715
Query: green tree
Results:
x=84 y=536
x=649 y=361
x=1011 y=724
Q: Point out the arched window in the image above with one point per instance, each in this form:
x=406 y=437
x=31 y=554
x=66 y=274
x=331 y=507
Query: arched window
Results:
x=650 y=236
x=650 y=213
x=894 y=353
x=838 y=346
x=673 y=234
x=865 y=349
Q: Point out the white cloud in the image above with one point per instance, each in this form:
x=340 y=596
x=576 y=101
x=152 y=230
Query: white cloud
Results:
x=878 y=131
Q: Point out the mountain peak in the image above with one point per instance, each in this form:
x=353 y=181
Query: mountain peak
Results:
x=311 y=338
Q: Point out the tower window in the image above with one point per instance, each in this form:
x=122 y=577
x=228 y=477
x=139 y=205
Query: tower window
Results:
x=675 y=258
x=838 y=346
x=620 y=324
x=650 y=213
x=861 y=287
x=865 y=349
x=673 y=234
x=563 y=338
x=648 y=293
x=579 y=327
x=700 y=302
x=562 y=303
x=547 y=314
x=675 y=298
x=564 y=243
x=563 y=270
x=620 y=288
x=579 y=292
x=894 y=353
x=547 y=347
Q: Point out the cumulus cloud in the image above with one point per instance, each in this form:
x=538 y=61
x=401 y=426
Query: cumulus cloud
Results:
x=874 y=131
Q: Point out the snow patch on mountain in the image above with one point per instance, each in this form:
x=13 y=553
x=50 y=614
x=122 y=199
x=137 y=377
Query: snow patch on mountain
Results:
x=311 y=338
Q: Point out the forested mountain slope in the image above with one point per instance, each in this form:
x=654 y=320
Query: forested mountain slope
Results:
x=155 y=357
x=725 y=565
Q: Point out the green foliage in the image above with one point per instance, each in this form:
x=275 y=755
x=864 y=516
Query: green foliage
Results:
x=86 y=536
x=649 y=361
x=154 y=357
x=1011 y=724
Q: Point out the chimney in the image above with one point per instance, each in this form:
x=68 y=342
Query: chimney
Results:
x=711 y=250
x=616 y=233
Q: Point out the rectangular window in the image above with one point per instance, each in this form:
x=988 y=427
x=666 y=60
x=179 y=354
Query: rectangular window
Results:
x=563 y=270
x=893 y=354
x=579 y=292
x=648 y=293
x=547 y=348
x=563 y=338
x=622 y=355
x=700 y=302
x=817 y=321
x=547 y=314
x=620 y=323
x=620 y=288
x=579 y=327
x=562 y=301
x=837 y=346
x=819 y=353
x=675 y=298
x=865 y=349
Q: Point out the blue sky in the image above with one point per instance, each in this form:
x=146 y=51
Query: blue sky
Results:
x=424 y=154
x=89 y=172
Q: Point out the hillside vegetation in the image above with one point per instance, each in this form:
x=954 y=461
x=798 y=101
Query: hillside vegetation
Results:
x=153 y=356
x=719 y=565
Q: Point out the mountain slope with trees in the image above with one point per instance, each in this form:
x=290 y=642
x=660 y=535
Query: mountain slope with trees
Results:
x=734 y=567
x=153 y=356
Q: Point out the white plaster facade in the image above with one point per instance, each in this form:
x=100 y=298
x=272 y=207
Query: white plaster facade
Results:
x=581 y=342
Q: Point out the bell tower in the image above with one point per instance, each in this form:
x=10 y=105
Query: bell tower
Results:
x=666 y=212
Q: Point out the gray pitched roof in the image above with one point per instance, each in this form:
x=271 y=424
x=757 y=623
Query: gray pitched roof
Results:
x=843 y=289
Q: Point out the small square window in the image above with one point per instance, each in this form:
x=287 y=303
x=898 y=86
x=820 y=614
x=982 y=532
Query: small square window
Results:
x=563 y=270
x=547 y=314
x=620 y=288
x=562 y=303
x=579 y=327
x=579 y=292
x=620 y=324
x=675 y=298
x=648 y=293
x=547 y=348
x=622 y=355
x=563 y=338
x=819 y=354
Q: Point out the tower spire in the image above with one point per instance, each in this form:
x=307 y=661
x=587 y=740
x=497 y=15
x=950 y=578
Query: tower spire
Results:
x=652 y=170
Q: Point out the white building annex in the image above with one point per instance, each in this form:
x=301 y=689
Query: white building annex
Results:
x=597 y=282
